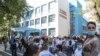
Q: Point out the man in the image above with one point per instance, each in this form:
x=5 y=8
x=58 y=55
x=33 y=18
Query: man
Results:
x=69 y=43
x=45 y=51
x=91 y=46
x=34 y=50
x=13 y=41
x=4 y=40
x=24 y=43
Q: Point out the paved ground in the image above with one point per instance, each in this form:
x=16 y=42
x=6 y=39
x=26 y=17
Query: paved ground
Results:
x=8 y=52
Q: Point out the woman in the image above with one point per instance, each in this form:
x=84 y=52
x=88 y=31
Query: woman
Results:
x=91 y=46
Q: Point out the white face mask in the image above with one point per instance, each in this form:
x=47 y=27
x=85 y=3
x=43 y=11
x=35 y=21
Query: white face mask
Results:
x=79 y=47
x=84 y=37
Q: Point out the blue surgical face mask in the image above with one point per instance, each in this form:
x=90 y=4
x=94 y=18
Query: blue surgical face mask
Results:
x=91 y=33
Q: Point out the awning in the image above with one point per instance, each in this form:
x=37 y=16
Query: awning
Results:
x=26 y=29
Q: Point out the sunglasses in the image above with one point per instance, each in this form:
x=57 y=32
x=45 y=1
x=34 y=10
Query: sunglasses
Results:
x=91 y=27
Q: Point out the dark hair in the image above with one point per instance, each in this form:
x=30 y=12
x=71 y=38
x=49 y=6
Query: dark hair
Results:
x=80 y=41
x=91 y=23
x=70 y=42
x=33 y=49
x=44 y=46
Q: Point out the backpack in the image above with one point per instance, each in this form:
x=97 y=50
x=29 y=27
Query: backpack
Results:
x=70 y=42
x=13 y=40
x=67 y=43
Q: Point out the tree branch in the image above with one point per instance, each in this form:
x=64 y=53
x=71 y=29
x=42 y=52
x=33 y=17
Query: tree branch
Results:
x=97 y=11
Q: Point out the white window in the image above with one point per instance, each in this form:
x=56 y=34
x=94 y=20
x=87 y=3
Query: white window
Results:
x=72 y=14
x=31 y=22
x=29 y=13
x=37 y=10
x=43 y=20
x=27 y=23
x=44 y=8
x=51 y=5
x=52 y=31
x=51 y=18
x=37 y=21
x=22 y=24
x=99 y=30
x=44 y=31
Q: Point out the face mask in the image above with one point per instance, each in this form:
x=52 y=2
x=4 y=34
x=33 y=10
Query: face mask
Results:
x=91 y=33
x=79 y=47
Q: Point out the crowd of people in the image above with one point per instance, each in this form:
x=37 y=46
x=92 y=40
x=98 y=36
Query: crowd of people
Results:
x=49 y=46
x=84 y=45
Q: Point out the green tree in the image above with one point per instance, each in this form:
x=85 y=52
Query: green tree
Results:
x=12 y=8
x=11 y=11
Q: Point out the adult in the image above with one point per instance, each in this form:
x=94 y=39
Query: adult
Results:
x=24 y=42
x=69 y=46
x=91 y=46
x=34 y=50
x=4 y=40
x=13 y=41
x=45 y=51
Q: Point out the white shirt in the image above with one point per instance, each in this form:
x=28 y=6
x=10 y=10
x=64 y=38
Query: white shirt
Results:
x=78 y=52
x=67 y=42
x=58 y=42
x=45 y=53
x=99 y=54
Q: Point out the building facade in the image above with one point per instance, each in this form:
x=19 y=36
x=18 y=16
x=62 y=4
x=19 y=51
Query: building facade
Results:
x=77 y=21
x=51 y=17
x=98 y=28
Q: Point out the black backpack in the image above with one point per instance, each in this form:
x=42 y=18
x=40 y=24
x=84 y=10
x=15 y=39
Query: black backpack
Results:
x=70 y=42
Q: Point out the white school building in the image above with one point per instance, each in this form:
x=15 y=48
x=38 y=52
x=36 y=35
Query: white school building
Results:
x=49 y=16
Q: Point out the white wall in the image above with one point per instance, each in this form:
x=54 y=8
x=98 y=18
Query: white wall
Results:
x=63 y=23
x=98 y=28
x=46 y=25
x=36 y=3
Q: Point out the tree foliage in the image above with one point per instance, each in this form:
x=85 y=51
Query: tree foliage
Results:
x=11 y=11
x=11 y=8
x=97 y=7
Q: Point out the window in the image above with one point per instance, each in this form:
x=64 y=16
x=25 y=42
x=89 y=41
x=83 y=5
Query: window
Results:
x=22 y=24
x=44 y=8
x=43 y=20
x=51 y=5
x=99 y=30
x=72 y=26
x=31 y=22
x=37 y=10
x=37 y=21
x=51 y=18
x=27 y=23
x=52 y=31
x=29 y=13
x=44 y=31
x=72 y=16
